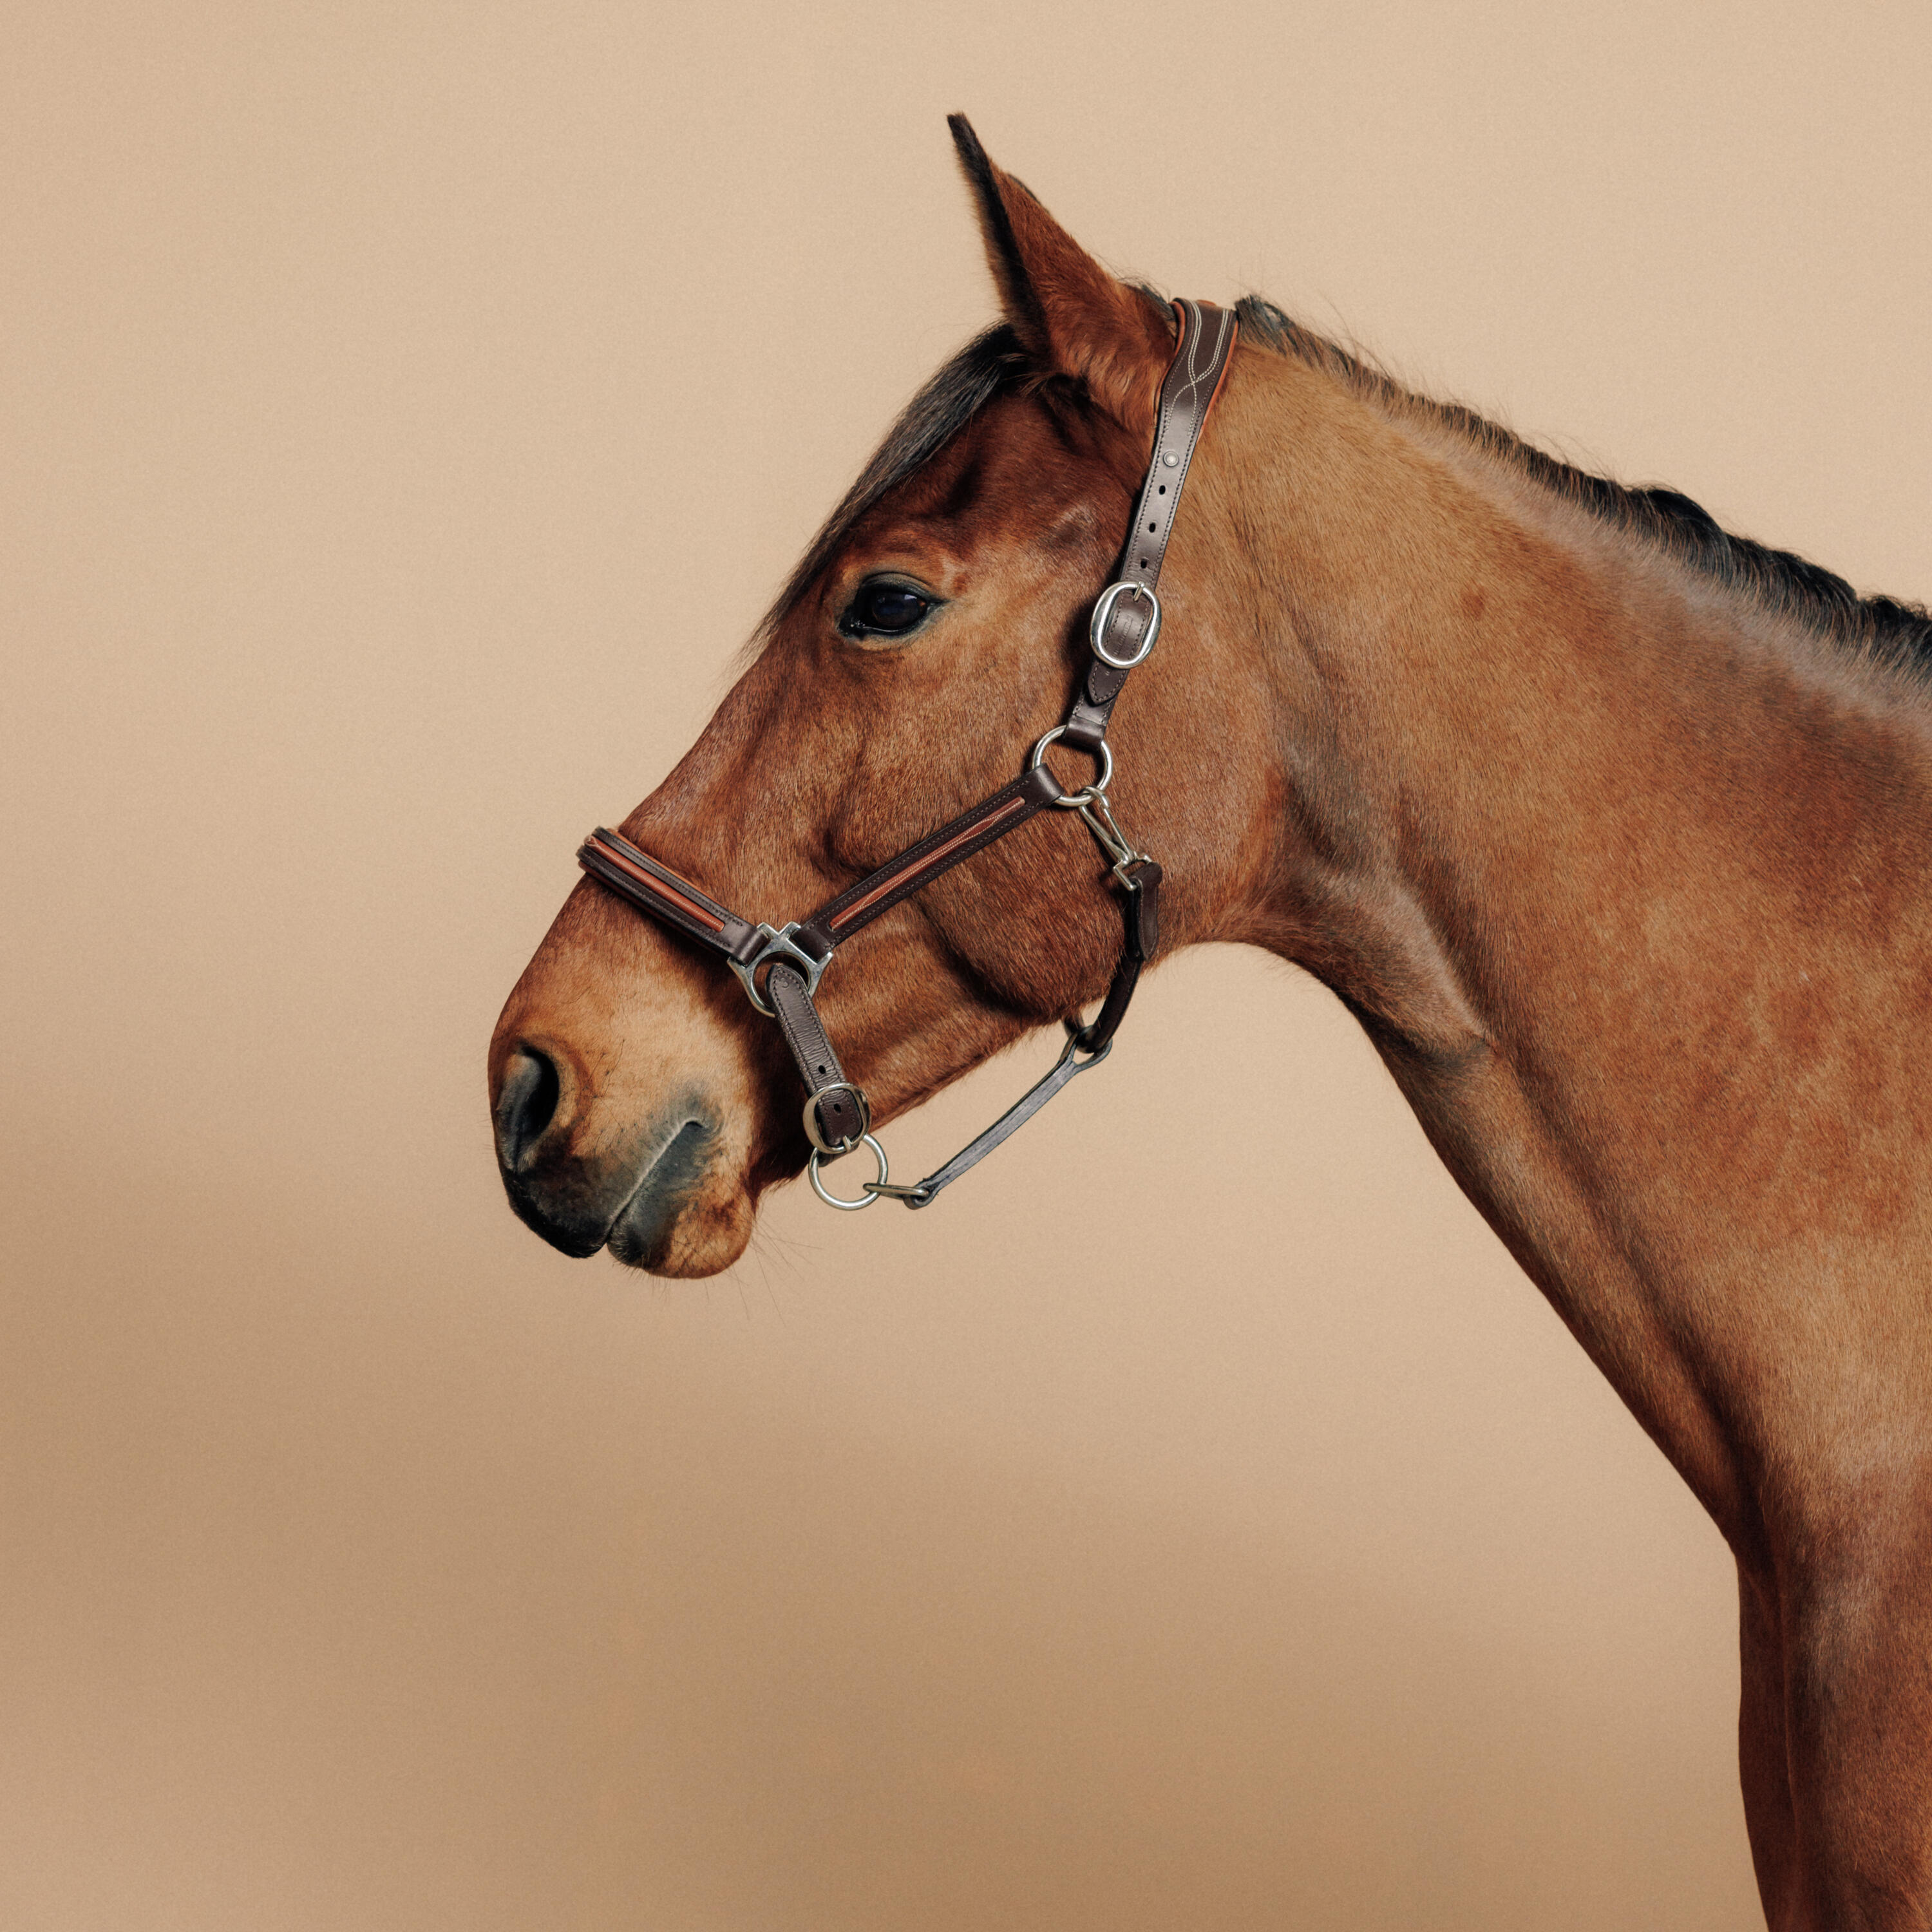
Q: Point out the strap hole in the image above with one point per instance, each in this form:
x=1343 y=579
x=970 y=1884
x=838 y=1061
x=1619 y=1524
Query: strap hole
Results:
x=1163 y=489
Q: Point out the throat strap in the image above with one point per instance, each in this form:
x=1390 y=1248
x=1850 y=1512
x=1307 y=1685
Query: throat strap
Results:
x=1086 y=1046
x=1073 y=1061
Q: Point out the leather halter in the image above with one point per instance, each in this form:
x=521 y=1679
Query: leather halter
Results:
x=1124 y=627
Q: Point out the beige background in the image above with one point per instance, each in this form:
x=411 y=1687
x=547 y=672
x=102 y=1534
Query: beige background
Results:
x=1277 y=1562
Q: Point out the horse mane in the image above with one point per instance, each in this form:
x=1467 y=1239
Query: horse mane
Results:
x=1879 y=629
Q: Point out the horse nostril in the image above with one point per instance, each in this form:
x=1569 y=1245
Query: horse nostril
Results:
x=526 y=1103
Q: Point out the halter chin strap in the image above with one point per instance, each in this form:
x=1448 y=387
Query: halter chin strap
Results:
x=781 y=968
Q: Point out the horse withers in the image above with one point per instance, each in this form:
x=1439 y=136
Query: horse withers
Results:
x=1610 y=828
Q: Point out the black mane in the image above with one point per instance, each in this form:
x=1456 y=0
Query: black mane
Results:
x=1880 y=628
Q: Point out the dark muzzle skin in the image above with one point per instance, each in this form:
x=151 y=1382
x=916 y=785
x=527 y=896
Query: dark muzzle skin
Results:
x=627 y=1104
x=580 y=1197
x=571 y=1202
x=528 y=1088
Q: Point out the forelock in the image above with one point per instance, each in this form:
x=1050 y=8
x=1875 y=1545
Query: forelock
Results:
x=989 y=366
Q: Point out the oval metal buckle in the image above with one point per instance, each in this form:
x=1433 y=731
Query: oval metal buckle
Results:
x=1076 y=801
x=831 y=1200
x=1103 y=611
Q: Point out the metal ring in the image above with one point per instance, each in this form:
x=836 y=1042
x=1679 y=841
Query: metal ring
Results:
x=1074 y=800
x=811 y=1132
x=832 y=1200
x=1103 y=611
x=1073 y=1050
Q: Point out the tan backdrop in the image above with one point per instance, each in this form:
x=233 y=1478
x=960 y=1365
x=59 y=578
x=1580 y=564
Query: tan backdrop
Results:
x=367 y=1564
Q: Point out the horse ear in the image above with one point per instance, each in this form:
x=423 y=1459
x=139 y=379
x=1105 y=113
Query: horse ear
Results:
x=1071 y=316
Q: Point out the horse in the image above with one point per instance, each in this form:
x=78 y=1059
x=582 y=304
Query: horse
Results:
x=1608 y=826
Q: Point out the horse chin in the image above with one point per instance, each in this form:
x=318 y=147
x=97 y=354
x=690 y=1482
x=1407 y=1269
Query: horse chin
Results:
x=687 y=1216
x=703 y=1237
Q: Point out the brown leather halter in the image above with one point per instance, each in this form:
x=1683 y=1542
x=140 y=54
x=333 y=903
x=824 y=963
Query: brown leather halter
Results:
x=1125 y=625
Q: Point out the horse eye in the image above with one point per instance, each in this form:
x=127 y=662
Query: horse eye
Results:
x=884 y=609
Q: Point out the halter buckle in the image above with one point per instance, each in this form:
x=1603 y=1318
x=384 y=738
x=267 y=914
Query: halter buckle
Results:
x=1103 y=615
x=811 y=1125
x=778 y=946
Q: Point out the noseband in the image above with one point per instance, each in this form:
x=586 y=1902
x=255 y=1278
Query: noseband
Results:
x=792 y=960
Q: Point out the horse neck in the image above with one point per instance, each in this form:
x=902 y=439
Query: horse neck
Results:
x=1622 y=873
x=1518 y=738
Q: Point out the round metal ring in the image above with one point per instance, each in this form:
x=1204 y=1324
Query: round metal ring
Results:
x=811 y=1132
x=1074 y=800
x=1103 y=611
x=850 y=1207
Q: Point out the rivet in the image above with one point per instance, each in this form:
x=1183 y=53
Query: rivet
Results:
x=1170 y=460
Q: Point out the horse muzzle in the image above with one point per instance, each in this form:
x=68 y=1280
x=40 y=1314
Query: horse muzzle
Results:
x=655 y=1188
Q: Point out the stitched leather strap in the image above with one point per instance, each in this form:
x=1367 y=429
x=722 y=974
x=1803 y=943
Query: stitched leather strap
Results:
x=840 y=1111
x=1193 y=380
x=918 y=865
x=614 y=861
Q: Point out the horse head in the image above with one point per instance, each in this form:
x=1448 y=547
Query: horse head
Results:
x=931 y=634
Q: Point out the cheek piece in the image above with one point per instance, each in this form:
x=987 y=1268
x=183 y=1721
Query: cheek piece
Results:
x=781 y=968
